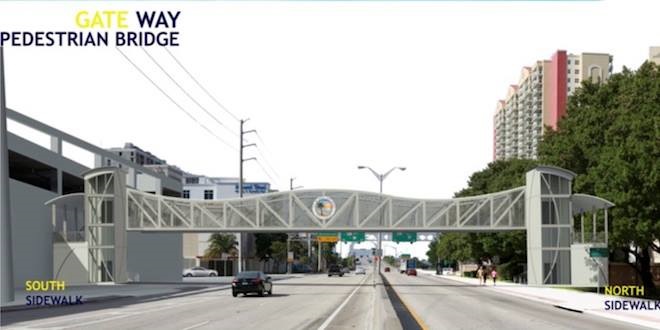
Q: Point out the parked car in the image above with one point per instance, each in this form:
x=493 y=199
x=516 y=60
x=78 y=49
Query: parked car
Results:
x=251 y=282
x=335 y=270
x=301 y=268
x=387 y=269
x=199 y=272
x=360 y=270
x=411 y=272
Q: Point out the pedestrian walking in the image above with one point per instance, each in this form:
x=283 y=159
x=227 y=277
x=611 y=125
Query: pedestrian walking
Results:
x=480 y=275
x=493 y=274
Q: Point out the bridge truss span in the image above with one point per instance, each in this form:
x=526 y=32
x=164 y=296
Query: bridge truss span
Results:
x=346 y=210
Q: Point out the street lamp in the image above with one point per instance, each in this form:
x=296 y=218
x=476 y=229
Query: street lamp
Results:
x=381 y=178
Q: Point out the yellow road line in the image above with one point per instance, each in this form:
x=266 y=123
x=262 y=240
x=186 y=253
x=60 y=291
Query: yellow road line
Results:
x=417 y=318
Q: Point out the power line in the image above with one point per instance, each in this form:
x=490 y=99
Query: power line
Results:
x=200 y=85
x=267 y=150
x=268 y=163
x=264 y=170
x=187 y=94
x=173 y=101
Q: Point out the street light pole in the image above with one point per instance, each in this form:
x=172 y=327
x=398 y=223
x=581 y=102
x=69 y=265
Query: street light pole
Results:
x=381 y=178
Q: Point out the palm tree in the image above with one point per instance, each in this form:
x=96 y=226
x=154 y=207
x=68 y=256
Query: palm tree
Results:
x=221 y=243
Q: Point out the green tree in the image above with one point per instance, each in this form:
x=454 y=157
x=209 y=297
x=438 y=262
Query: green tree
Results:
x=432 y=253
x=611 y=139
x=509 y=247
x=221 y=243
x=264 y=242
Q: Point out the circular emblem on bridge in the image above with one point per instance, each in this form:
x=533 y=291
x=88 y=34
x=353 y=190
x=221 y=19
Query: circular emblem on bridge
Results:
x=323 y=207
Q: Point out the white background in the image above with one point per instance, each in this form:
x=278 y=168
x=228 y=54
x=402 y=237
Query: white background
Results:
x=328 y=85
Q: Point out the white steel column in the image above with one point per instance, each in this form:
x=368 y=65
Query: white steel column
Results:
x=6 y=261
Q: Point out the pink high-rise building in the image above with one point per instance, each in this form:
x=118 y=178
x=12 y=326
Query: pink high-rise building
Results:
x=539 y=100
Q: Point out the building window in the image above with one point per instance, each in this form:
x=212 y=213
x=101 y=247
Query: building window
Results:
x=577 y=80
x=577 y=71
x=568 y=80
x=208 y=194
x=577 y=62
x=568 y=61
x=192 y=180
x=186 y=194
x=569 y=71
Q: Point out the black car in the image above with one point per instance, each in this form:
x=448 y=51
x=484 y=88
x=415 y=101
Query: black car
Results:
x=335 y=270
x=251 y=282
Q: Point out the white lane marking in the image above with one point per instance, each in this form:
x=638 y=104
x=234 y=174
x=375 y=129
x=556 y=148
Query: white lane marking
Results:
x=334 y=314
x=196 y=325
x=118 y=312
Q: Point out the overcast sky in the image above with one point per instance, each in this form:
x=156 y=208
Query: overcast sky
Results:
x=328 y=85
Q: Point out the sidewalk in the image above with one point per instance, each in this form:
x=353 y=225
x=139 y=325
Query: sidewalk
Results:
x=582 y=302
x=109 y=291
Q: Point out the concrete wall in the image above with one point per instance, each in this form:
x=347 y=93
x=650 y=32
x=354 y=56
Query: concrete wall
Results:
x=70 y=262
x=155 y=257
x=32 y=233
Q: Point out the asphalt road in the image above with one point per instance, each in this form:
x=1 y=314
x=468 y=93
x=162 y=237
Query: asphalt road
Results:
x=309 y=302
x=446 y=304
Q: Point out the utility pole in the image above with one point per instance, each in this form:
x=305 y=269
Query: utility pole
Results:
x=240 y=183
x=242 y=160
x=7 y=262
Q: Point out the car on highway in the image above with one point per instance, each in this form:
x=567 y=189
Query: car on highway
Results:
x=199 y=272
x=411 y=272
x=252 y=282
x=335 y=270
x=387 y=269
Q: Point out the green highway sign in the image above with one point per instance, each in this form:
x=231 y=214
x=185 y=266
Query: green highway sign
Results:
x=352 y=236
x=405 y=256
x=404 y=237
x=598 y=252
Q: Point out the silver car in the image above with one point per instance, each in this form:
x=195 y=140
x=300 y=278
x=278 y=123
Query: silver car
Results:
x=199 y=272
x=360 y=270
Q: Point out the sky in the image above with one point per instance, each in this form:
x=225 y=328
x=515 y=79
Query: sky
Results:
x=328 y=85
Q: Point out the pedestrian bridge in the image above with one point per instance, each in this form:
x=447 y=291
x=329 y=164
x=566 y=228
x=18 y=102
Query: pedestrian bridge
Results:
x=545 y=208
x=326 y=210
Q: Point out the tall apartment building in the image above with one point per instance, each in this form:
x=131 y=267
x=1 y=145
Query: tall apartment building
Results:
x=654 y=55
x=136 y=155
x=539 y=100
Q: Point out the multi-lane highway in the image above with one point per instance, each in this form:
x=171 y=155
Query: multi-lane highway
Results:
x=447 y=304
x=307 y=302
x=318 y=302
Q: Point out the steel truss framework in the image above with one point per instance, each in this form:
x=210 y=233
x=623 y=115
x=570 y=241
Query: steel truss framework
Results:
x=354 y=211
